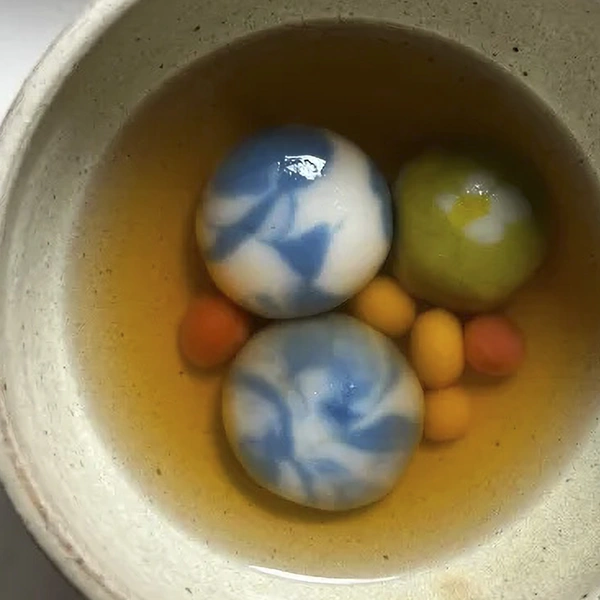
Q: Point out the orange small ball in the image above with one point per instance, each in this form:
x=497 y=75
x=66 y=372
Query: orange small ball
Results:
x=212 y=331
x=385 y=306
x=494 y=345
x=447 y=414
x=437 y=348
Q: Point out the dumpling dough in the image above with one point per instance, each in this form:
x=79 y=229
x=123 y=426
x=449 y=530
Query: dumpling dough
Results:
x=295 y=221
x=466 y=236
x=325 y=412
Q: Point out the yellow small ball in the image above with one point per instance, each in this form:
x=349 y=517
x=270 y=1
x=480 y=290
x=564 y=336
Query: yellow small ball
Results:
x=385 y=306
x=447 y=414
x=437 y=348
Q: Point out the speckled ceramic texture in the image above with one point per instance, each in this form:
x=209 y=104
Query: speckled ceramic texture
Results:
x=74 y=497
x=324 y=412
x=295 y=221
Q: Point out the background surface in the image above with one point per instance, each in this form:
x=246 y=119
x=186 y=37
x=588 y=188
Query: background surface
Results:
x=27 y=27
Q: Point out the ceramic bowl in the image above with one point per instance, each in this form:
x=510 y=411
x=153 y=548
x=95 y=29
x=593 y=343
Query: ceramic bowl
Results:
x=77 y=494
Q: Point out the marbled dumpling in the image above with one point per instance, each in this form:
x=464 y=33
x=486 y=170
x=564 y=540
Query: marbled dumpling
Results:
x=294 y=222
x=325 y=412
x=467 y=236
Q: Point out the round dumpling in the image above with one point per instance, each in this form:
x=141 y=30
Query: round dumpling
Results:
x=294 y=222
x=467 y=236
x=325 y=412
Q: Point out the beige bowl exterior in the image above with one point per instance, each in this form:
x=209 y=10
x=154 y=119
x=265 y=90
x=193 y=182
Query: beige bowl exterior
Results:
x=78 y=503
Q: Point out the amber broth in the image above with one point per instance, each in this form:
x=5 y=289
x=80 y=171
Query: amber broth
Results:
x=136 y=267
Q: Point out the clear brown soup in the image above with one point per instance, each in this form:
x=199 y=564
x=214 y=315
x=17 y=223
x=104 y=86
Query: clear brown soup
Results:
x=135 y=267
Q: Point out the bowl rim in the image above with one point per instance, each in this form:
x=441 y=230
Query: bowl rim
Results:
x=35 y=96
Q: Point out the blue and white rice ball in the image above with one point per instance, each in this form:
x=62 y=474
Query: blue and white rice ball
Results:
x=324 y=412
x=294 y=222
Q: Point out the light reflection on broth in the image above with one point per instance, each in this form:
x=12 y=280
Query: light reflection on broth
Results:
x=136 y=267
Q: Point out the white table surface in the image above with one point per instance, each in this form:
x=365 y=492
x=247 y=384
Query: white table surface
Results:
x=27 y=27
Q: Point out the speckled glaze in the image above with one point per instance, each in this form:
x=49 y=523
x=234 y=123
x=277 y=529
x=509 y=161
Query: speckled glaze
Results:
x=77 y=501
x=324 y=412
x=295 y=221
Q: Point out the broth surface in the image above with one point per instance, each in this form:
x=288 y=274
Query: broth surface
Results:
x=136 y=266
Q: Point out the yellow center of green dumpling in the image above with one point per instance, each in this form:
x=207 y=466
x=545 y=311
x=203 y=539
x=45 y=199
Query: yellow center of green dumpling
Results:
x=467 y=208
x=482 y=216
